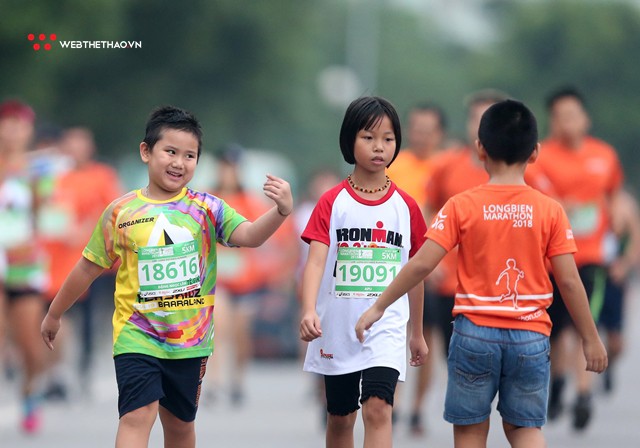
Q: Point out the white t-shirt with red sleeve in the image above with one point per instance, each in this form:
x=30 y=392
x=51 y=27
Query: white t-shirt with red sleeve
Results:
x=369 y=241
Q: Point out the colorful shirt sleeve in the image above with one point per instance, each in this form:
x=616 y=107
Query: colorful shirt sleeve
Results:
x=227 y=219
x=100 y=248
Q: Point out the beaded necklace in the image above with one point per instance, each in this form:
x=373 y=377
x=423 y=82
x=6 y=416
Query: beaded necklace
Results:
x=369 y=190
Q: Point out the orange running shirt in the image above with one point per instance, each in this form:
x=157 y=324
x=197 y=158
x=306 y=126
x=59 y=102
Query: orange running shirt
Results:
x=79 y=197
x=411 y=174
x=454 y=171
x=504 y=234
x=583 y=180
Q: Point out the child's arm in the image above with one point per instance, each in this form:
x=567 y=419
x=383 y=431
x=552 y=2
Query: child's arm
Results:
x=253 y=234
x=312 y=276
x=77 y=282
x=417 y=345
x=575 y=299
x=414 y=272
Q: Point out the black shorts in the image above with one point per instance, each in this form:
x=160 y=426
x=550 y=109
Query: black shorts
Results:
x=16 y=294
x=343 y=391
x=437 y=315
x=611 y=314
x=594 y=279
x=176 y=383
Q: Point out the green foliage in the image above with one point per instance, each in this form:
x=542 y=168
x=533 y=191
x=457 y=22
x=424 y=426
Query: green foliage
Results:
x=249 y=69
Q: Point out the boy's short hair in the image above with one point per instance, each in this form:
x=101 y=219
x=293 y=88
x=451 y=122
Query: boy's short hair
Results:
x=508 y=132
x=564 y=92
x=169 y=117
x=364 y=113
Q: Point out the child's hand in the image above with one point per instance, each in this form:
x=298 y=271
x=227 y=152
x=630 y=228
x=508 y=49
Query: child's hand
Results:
x=279 y=191
x=595 y=354
x=310 y=327
x=367 y=319
x=49 y=329
x=419 y=351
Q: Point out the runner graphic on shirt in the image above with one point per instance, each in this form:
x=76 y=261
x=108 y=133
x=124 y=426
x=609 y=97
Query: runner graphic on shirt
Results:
x=513 y=275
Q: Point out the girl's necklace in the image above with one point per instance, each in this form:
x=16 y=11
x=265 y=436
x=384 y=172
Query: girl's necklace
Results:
x=369 y=190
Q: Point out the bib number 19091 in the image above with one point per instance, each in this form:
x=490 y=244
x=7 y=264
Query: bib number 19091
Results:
x=365 y=272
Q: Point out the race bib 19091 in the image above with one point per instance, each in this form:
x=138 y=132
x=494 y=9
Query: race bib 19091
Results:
x=364 y=272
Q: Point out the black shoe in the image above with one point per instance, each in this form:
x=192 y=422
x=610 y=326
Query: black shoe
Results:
x=237 y=396
x=555 y=408
x=56 y=392
x=415 y=425
x=582 y=412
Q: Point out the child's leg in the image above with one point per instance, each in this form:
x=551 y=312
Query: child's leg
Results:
x=135 y=426
x=340 y=430
x=378 y=389
x=471 y=436
x=177 y=433
x=376 y=414
x=342 y=392
x=521 y=437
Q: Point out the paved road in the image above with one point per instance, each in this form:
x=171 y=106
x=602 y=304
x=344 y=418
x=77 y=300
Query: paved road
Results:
x=280 y=411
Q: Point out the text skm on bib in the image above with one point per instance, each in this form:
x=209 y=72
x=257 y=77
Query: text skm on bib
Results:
x=364 y=272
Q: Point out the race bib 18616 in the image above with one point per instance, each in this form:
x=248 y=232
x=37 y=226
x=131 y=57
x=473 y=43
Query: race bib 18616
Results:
x=168 y=270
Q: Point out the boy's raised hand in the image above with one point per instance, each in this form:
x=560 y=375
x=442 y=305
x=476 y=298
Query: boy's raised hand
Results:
x=595 y=354
x=279 y=191
x=367 y=319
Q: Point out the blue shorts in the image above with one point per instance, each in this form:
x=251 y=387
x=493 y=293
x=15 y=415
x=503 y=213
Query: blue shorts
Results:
x=485 y=361
x=175 y=383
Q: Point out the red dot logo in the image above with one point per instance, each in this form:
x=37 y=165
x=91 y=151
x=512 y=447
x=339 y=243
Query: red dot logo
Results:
x=42 y=37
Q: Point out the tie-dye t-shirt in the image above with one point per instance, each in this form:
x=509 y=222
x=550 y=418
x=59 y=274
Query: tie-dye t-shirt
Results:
x=166 y=281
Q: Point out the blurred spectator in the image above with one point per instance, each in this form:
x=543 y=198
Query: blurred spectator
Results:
x=623 y=254
x=246 y=278
x=67 y=216
x=411 y=172
x=585 y=175
x=453 y=172
x=25 y=278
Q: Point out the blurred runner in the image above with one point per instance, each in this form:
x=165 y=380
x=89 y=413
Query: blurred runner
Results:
x=453 y=172
x=67 y=217
x=25 y=278
x=584 y=174
x=411 y=171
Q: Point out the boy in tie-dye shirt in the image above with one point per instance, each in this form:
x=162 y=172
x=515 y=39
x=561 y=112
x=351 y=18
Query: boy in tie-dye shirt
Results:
x=164 y=236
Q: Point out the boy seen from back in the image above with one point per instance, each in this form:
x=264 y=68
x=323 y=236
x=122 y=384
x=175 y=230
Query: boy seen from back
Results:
x=505 y=232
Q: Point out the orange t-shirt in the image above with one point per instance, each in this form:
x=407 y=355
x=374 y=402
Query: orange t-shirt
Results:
x=504 y=234
x=583 y=180
x=411 y=175
x=78 y=199
x=454 y=171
